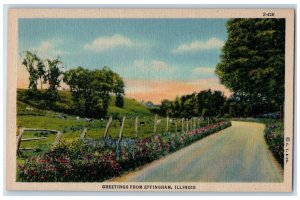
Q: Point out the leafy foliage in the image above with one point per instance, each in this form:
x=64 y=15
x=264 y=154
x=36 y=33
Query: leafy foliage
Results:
x=252 y=61
x=91 y=90
x=274 y=135
x=31 y=61
x=206 y=103
x=53 y=78
x=96 y=161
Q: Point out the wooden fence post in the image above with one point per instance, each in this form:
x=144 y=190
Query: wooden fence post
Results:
x=121 y=130
x=194 y=122
x=107 y=127
x=136 y=126
x=198 y=122
x=58 y=137
x=175 y=126
x=83 y=134
x=187 y=124
x=19 y=138
x=167 y=128
x=182 y=125
x=155 y=123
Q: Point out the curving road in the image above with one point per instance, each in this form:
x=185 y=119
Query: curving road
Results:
x=236 y=154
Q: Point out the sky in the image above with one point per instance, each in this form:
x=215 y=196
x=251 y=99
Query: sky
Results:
x=157 y=58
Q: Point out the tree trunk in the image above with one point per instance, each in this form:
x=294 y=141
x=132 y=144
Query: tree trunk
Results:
x=281 y=113
x=41 y=83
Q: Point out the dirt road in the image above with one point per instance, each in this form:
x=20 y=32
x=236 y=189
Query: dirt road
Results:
x=236 y=154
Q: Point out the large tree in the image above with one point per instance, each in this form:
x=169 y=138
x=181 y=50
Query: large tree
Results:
x=41 y=72
x=91 y=90
x=53 y=77
x=252 y=61
x=166 y=107
x=210 y=103
x=30 y=61
x=117 y=85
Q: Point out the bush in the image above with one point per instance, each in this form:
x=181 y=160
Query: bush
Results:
x=274 y=135
x=91 y=160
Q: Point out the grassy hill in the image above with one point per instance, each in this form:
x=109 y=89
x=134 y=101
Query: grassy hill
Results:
x=64 y=105
x=56 y=119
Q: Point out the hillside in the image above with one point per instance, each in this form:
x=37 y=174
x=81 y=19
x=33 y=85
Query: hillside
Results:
x=64 y=105
x=34 y=113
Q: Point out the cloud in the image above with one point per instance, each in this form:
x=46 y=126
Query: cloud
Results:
x=204 y=70
x=157 y=65
x=104 y=43
x=47 y=49
x=197 y=45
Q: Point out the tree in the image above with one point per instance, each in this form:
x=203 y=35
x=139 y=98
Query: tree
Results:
x=53 y=77
x=30 y=62
x=252 y=61
x=166 y=107
x=119 y=100
x=78 y=81
x=206 y=104
x=117 y=85
x=211 y=103
x=41 y=72
x=91 y=90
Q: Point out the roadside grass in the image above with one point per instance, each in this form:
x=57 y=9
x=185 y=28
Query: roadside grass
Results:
x=72 y=128
x=81 y=161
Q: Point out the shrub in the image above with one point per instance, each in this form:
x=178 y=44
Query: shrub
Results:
x=274 y=135
x=82 y=161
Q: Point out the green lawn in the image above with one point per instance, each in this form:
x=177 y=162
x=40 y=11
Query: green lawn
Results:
x=72 y=128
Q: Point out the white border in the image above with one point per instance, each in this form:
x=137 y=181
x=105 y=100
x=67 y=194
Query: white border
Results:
x=3 y=71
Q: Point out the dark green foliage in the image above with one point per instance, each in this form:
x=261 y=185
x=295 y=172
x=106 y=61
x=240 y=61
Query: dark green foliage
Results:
x=36 y=69
x=30 y=61
x=91 y=90
x=119 y=101
x=211 y=103
x=81 y=161
x=241 y=105
x=41 y=72
x=64 y=104
x=252 y=61
x=206 y=103
x=166 y=107
x=274 y=135
x=53 y=77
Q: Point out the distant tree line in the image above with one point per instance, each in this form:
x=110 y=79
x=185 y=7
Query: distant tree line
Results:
x=208 y=104
x=90 y=89
x=205 y=104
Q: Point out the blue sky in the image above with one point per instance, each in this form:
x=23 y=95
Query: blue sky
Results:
x=183 y=50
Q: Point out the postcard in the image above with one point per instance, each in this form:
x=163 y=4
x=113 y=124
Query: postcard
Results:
x=155 y=100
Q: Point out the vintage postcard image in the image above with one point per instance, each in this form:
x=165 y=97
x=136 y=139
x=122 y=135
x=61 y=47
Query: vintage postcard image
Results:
x=150 y=100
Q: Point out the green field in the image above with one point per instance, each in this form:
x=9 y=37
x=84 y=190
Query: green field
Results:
x=72 y=128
